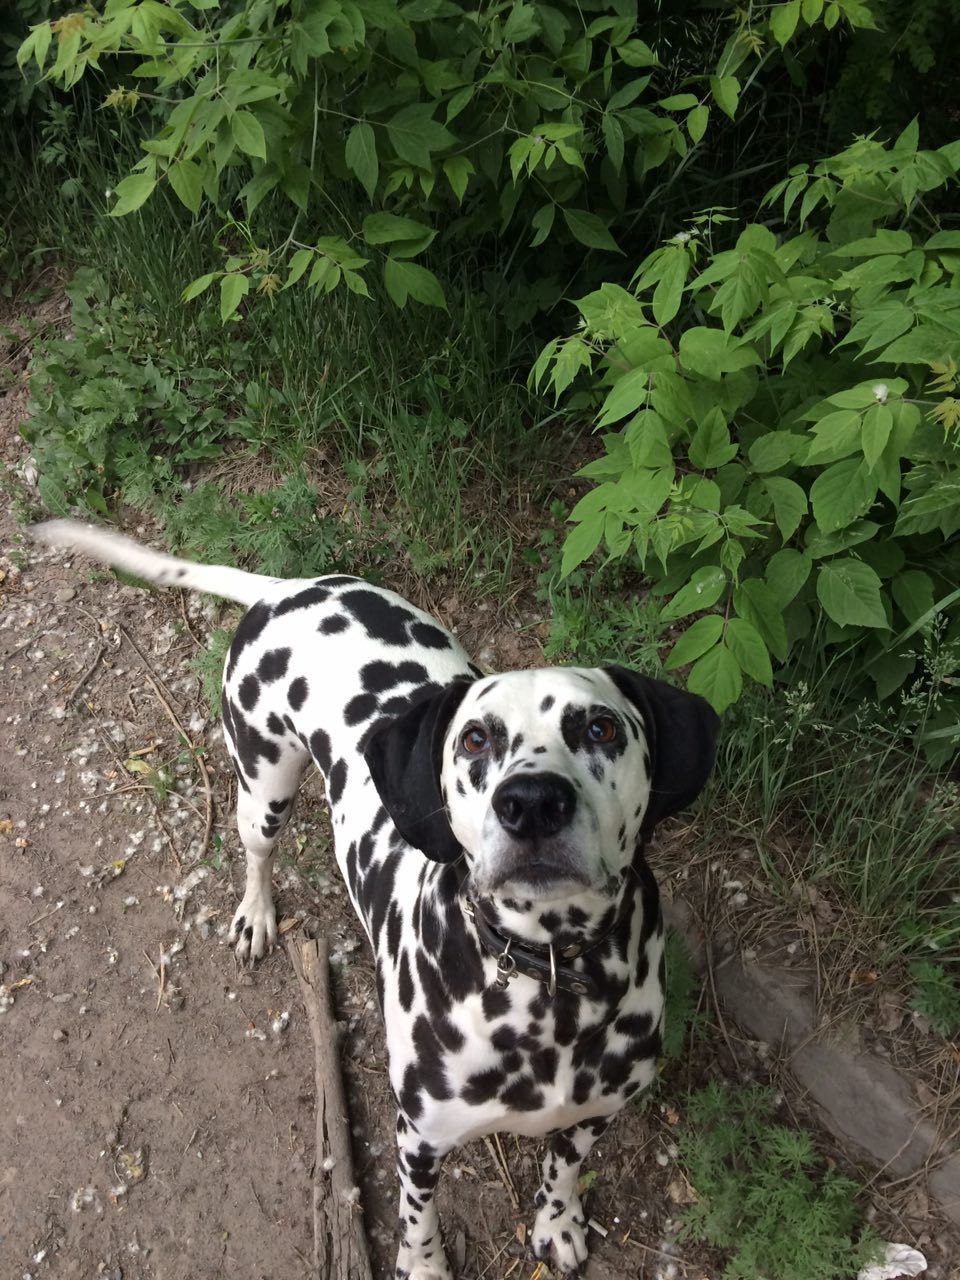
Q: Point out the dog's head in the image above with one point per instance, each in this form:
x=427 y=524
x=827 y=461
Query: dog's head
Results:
x=544 y=780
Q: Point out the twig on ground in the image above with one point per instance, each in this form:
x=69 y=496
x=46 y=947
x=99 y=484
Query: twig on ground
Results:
x=339 y=1245
x=495 y=1148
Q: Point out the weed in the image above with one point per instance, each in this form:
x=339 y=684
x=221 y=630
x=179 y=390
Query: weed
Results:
x=841 y=801
x=763 y=1192
x=936 y=997
x=681 y=990
x=207 y=666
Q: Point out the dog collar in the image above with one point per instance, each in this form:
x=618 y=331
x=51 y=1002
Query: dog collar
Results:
x=546 y=964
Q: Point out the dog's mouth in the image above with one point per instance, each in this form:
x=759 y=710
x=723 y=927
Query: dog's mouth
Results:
x=545 y=871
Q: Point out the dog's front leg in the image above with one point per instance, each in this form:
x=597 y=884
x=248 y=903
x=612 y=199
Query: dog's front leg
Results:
x=559 y=1235
x=421 y=1255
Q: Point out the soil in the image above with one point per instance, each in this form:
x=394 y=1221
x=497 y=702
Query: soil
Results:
x=159 y=1119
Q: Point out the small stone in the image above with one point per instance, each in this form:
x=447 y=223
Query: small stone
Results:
x=65 y=595
x=59 y=1035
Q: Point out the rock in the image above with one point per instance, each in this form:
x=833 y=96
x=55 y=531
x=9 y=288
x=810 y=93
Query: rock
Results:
x=65 y=595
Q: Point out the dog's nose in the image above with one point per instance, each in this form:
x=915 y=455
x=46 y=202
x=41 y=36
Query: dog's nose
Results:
x=534 y=804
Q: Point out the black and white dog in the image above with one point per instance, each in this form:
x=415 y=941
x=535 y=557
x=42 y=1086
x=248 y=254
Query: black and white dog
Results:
x=491 y=832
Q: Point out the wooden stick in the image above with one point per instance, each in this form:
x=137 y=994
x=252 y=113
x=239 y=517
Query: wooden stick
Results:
x=339 y=1244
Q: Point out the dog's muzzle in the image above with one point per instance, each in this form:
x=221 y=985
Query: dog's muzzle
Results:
x=531 y=806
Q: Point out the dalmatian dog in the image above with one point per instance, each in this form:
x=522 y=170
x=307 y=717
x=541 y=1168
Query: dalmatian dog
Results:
x=491 y=831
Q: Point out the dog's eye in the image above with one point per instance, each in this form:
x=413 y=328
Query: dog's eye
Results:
x=474 y=740
x=601 y=730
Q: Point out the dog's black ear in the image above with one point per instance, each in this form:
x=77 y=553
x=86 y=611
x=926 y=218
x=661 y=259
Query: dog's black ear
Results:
x=682 y=735
x=404 y=761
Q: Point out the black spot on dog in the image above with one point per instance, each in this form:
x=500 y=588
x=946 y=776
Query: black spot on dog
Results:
x=489 y=689
x=429 y=636
x=522 y=1095
x=378 y=677
x=303 y=600
x=394 y=927
x=250 y=743
x=380 y=618
x=482 y=1086
x=278 y=806
x=548 y=702
x=251 y=625
x=334 y=624
x=477 y=772
x=338 y=780
x=360 y=708
x=276 y=726
x=539 y=751
x=409 y=1098
x=249 y=692
x=496 y=1003
x=544 y=1063
x=297 y=693
x=516 y=744
x=320 y=750
x=430 y=1060
x=461 y=789
x=273 y=665
x=405 y=984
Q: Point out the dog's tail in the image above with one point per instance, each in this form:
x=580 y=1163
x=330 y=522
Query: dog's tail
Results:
x=167 y=571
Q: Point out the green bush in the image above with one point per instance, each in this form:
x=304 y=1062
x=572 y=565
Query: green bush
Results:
x=787 y=437
x=524 y=123
x=763 y=1193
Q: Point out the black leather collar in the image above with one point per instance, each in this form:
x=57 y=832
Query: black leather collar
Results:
x=542 y=963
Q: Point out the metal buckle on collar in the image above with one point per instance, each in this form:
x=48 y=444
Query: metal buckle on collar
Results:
x=552 y=984
x=506 y=966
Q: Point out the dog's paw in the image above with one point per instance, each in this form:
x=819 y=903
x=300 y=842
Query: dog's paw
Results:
x=254 y=928
x=412 y=1265
x=558 y=1236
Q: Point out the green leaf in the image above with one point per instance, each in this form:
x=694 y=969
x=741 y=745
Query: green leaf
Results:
x=581 y=542
x=789 y=504
x=913 y=592
x=877 y=425
x=361 y=156
x=669 y=290
x=186 y=178
x=755 y=601
x=712 y=352
x=849 y=592
x=627 y=394
x=248 y=134
x=457 y=170
x=233 y=288
x=774 y=450
x=521 y=24
x=588 y=229
x=697 y=122
x=298 y=265
x=711 y=446
x=783 y=21
x=786 y=572
x=388 y=228
x=704 y=589
x=679 y=102
x=131 y=193
x=836 y=436
x=695 y=641
x=842 y=494
x=747 y=646
x=196 y=287
x=726 y=93
x=542 y=222
x=613 y=139
x=716 y=677
x=416 y=135
x=408 y=279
